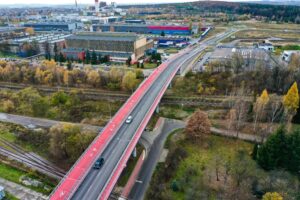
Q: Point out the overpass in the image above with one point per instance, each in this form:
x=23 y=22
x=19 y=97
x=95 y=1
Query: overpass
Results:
x=117 y=140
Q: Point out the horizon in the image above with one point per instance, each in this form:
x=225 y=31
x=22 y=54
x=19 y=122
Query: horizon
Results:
x=84 y=2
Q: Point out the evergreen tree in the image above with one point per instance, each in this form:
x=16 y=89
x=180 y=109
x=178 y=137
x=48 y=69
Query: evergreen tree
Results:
x=94 y=58
x=273 y=153
x=254 y=152
x=293 y=156
x=87 y=57
x=128 y=61
x=61 y=58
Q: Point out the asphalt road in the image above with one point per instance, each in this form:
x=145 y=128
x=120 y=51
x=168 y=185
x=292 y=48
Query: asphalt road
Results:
x=95 y=181
x=140 y=187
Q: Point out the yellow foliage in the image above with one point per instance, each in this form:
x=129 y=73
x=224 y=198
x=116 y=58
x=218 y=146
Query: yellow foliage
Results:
x=93 y=78
x=200 y=89
x=264 y=98
x=30 y=31
x=291 y=99
x=272 y=196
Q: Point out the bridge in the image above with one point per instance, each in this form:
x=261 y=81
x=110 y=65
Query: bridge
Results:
x=118 y=139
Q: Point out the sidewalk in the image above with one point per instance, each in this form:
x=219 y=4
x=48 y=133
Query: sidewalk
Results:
x=20 y=191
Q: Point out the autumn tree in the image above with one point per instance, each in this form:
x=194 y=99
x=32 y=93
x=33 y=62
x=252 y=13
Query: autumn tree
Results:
x=260 y=108
x=29 y=30
x=93 y=78
x=67 y=141
x=272 y=196
x=129 y=81
x=198 y=126
x=291 y=104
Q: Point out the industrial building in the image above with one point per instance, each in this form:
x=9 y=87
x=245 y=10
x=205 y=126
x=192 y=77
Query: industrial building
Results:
x=144 y=29
x=52 y=39
x=118 y=46
x=54 y=26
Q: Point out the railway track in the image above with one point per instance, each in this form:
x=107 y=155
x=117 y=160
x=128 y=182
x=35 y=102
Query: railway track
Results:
x=93 y=94
x=31 y=160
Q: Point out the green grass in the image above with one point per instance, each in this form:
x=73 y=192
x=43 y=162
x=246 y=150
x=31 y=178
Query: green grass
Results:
x=129 y=168
x=171 y=50
x=9 y=196
x=13 y=174
x=175 y=111
x=199 y=157
x=8 y=55
x=10 y=173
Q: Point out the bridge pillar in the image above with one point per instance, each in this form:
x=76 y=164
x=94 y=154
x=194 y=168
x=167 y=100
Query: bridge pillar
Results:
x=134 y=153
x=157 y=109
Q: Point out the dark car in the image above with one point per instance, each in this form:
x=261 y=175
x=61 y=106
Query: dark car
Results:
x=99 y=163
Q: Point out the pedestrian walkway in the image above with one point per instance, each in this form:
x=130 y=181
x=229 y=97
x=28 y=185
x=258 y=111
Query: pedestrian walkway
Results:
x=20 y=191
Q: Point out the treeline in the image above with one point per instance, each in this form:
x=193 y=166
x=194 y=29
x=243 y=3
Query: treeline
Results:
x=58 y=106
x=279 y=13
x=49 y=73
x=225 y=77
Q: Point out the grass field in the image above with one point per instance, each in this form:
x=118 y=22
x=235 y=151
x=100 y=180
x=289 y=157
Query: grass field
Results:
x=13 y=174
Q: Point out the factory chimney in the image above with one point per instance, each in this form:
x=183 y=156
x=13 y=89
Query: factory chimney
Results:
x=97 y=7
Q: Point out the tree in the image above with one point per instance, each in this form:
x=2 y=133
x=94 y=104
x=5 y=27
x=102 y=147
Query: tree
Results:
x=237 y=62
x=129 y=81
x=8 y=106
x=87 y=57
x=128 y=61
x=259 y=108
x=291 y=103
x=67 y=142
x=139 y=74
x=61 y=58
x=93 y=78
x=272 y=196
x=55 y=49
x=94 y=58
x=47 y=51
x=294 y=62
x=198 y=126
x=273 y=153
x=29 y=30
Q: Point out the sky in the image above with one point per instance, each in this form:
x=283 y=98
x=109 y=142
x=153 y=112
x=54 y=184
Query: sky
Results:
x=3 y=2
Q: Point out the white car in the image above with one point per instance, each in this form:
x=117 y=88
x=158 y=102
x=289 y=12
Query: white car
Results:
x=129 y=119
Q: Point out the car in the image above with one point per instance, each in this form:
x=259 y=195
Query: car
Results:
x=129 y=119
x=99 y=163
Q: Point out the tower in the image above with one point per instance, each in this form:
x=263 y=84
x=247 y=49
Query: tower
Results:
x=97 y=7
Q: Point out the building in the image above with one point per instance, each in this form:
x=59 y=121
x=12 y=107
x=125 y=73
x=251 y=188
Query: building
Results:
x=266 y=46
x=54 y=26
x=2 y=193
x=144 y=29
x=50 y=38
x=287 y=55
x=11 y=32
x=118 y=46
x=135 y=21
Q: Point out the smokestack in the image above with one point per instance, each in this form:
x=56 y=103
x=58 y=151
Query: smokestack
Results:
x=97 y=6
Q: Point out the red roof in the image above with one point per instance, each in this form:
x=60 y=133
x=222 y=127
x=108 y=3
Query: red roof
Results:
x=182 y=28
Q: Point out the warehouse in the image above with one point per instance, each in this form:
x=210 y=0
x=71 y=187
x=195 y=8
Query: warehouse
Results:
x=143 y=29
x=53 y=26
x=119 y=46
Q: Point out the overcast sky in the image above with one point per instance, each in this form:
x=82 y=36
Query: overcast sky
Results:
x=89 y=1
